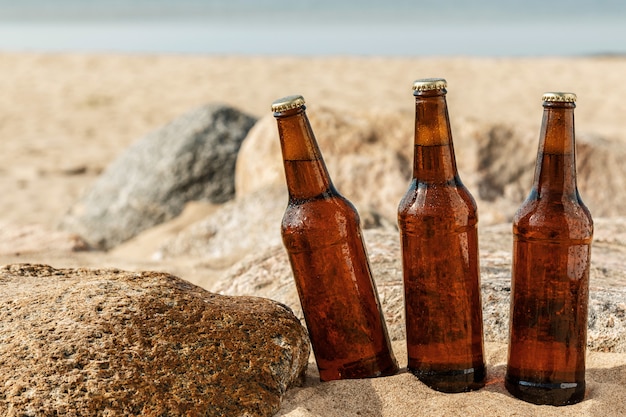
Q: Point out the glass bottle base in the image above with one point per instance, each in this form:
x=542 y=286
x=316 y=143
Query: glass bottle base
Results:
x=383 y=364
x=458 y=380
x=545 y=393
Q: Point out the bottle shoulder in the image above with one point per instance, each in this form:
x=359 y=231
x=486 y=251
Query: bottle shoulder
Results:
x=320 y=223
x=319 y=212
x=451 y=201
x=566 y=218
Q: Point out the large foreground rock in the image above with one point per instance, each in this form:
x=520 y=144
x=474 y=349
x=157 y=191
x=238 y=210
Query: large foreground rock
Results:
x=78 y=342
x=191 y=158
x=269 y=275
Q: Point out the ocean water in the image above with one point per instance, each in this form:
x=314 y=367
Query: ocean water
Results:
x=317 y=27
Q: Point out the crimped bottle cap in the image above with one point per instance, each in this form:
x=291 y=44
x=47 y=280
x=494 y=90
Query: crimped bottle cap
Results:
x=288 y=103
x=426 y=84
x=559 y=97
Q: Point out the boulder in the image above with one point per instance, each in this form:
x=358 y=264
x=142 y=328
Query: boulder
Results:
x=250 y=224
x=269 y=275
x=19 y=239
x=506 y=167
x=239 y=227
x=191 y=158
x=369 y=156
x=80 y=342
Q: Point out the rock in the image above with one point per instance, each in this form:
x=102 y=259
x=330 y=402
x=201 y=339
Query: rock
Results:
x=370 y=158
x=16 y=240
x=144 y=245
x=506 y=160
x=80 y=342
x=269 y=275
x=191 y=158
x=372 y=149
x=247 y=225
x=607 y=296
x=241 y=226
x=506 y=168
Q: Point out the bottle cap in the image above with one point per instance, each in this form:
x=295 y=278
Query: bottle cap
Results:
x=559 y=97
x=288 y=103
x=426 y=84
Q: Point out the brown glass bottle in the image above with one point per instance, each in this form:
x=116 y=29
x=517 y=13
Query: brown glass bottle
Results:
x=438 y=232
x=322 y=235
x=552 y=233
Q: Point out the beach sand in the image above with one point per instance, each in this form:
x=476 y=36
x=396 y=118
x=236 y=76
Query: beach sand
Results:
x=65 y=117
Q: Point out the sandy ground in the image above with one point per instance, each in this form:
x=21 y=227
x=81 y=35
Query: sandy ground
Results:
x=63 y=118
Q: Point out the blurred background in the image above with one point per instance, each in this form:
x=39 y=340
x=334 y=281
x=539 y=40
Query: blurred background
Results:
x=317 y=27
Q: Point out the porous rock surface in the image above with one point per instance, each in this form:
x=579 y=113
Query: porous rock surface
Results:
x=269 y=275
x=191 y=158
x=78 y=342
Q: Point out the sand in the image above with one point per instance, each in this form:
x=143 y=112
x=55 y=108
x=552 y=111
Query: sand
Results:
x=64 y=117
x=404 y=395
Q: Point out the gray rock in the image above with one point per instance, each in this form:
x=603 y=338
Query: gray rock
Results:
x=269 y=275
x=78 y=342
x=191 y=158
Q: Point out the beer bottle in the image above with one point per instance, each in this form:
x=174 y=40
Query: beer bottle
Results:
x=322 y=236
x=438 y=232
x=552 y=233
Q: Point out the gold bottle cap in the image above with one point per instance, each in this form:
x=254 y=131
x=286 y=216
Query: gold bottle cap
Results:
x=288 y=103
x=426 y=84
x=559 y=97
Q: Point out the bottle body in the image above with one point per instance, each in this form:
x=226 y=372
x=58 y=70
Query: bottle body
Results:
x=438 y=232
x=336 y=290
x=552 y=234
x=322 y=236
x=442 y=296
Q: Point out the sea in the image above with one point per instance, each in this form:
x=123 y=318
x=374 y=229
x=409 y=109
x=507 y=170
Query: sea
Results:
x=504 y=28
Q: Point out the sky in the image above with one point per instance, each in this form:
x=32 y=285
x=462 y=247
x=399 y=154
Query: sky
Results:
x=321 y=27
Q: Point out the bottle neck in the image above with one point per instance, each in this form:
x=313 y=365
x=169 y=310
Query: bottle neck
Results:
x=555 y=171
x=305 y=170
x=434 y=160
